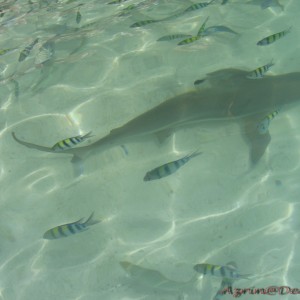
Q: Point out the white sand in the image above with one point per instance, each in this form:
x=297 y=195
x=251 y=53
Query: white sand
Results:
x=215 y=209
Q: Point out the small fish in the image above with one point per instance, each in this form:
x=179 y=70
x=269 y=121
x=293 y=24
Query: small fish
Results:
x=66 y=230
x=173 y=37
x=16 y=87
x=45 y=54
x=224 y=2
x=78 y=17
x=259 y=72
x=117 y=1
x=169 y=168
x=198 y=6
x=198 y=82
x=269 y=3
x=274 y=37
x=24 y=53
x=143 y=23
x=195 y=38
x=4 y=51
x=127 y=10
x=216 y=29
x=219 y=271
x=202 y=28
x=189 y=40
x=70 y=142
x=263 y=125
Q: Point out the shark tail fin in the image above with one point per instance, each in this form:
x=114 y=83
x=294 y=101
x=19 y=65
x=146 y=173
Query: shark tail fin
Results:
x=31 y=145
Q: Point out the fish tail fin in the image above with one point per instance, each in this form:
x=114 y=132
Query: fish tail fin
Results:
x=88 y=135
x=90 y=221
x=194 y=154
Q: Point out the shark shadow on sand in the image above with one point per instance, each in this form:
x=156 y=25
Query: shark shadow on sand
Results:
x=227 y=95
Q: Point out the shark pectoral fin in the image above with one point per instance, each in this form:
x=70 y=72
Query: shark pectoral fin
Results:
x=163 y=135
x=30 y=145
x=258 y=142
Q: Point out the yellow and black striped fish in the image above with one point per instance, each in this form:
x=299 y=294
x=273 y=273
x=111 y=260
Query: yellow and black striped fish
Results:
x=69 y=229
x=197 y=37
x=202 y=28
x=263 y=125
x=25 y=52
x=220 y=271
x=259 y=72
x=173 y=37
x=117 y=1
x=70 y=142
x=272 y=38
x=198 y=6
x=168 y=168
x=127 y=10
x=143 y=23
x=189 y=40
x=4 y=51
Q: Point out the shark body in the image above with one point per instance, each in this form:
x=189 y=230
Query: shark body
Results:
x=228 y=95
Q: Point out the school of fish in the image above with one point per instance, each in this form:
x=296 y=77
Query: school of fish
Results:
x=44 y=55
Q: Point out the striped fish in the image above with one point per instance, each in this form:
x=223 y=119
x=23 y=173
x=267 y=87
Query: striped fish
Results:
x=117 y=1
x=263 y=125
x=202 y=28
x=4 y=51
x=16 y=87
x=127 y=10
x=46 y=53
x=25 y=52
x=272 y=38
x=173 y=37
x=189 y=40
x=226 y=284
x=143 y=23
x=197 y=37
x=220 y=271
x=70 y=142
x=66 y=230
x=220 y=28
x=169 y=168
x=198 y=6
x=259 y=72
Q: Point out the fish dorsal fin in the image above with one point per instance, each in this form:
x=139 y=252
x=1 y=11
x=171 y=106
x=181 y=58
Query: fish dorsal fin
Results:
x=232 y=265
x=79 y=221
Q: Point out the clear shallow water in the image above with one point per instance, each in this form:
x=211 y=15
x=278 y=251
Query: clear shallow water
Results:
x=215 y=209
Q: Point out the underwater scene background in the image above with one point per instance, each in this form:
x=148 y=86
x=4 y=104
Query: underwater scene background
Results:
x=72 y=68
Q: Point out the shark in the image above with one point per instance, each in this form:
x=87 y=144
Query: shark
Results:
x=224 y=95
